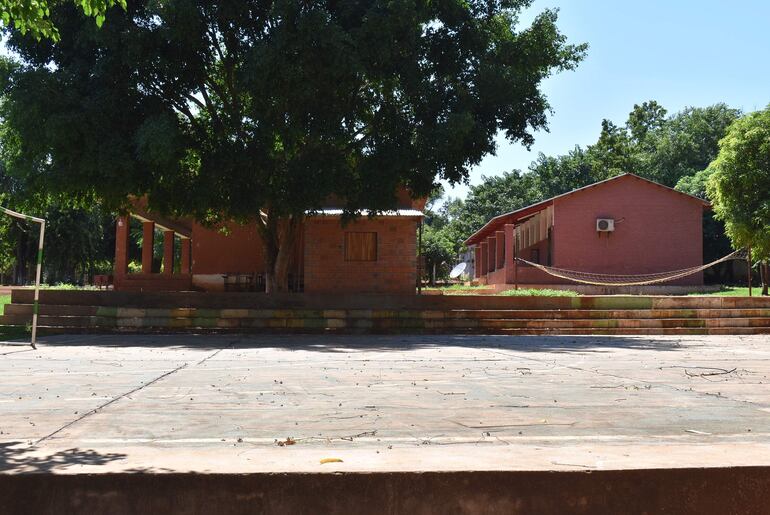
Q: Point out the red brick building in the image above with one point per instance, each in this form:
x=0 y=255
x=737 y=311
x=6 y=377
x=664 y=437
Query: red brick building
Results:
x=625 y=225
x=368 y=255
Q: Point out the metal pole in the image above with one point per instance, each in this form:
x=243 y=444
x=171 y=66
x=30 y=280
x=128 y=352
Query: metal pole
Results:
x=748 y=262
x=36 y=306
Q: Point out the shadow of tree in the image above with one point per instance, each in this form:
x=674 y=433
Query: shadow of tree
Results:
x=341 y=343
x=19 y=458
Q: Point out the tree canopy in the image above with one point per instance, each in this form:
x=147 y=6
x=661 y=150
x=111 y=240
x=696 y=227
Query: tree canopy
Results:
x=739 y=186
x=33 y=16
x=260 y=109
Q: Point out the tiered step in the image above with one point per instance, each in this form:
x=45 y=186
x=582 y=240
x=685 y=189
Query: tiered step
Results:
x=84 y=318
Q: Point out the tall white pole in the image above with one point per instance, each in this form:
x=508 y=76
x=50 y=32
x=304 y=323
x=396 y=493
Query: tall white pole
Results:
x=35 y=307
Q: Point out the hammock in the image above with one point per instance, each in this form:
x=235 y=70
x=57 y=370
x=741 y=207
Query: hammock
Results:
x=629 y=280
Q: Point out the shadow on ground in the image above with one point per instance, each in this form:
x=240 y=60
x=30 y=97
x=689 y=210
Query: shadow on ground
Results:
x=14 y=457
x=379 y=343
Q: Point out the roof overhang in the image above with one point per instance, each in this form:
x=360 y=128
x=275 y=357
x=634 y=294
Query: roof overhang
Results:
x=410 y=213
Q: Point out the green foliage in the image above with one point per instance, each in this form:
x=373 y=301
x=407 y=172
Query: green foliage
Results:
x=725 y=291
x=228 y=109
x=739 y=186
x=439 y=253
x=687 y=143
x=34 y=16
x=4 y=299
x=79 y=234
x=67 y=286
x=9 y=333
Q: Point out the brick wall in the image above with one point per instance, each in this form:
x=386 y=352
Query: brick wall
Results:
x=216 y=252
x=656 y=230
x=395 y=270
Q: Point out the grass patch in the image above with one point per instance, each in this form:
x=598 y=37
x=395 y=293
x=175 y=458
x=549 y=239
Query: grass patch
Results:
x=531 y=292
x=460 y=289
x=731 y=291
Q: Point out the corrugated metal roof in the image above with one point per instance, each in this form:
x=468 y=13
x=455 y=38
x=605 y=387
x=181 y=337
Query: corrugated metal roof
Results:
x=366 y=212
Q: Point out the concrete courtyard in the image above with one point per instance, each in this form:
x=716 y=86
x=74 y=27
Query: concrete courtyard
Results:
x=383 y=403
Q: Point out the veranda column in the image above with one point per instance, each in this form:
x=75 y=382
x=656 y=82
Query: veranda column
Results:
x=121 y=246
x=168 y=252
x=148 y=240
x=186 y=262
x=484 y=257
x=510 y=252
x=500 y=248
x=492 y=255
x=477 y=261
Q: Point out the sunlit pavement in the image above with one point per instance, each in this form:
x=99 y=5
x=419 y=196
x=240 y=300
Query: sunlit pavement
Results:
x=374 y=403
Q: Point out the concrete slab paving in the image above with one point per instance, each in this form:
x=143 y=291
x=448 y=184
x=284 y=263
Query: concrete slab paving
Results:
x=181 y=403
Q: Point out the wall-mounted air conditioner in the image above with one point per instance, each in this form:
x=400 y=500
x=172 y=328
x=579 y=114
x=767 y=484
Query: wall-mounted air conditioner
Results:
x=605 y=224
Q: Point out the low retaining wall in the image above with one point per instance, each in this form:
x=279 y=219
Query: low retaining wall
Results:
x=385 y=302
x=678 y=491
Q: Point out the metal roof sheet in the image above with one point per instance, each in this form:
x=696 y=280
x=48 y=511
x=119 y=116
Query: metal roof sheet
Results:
x=366 y=212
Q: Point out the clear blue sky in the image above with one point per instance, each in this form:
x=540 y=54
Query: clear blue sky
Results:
x=678 y=52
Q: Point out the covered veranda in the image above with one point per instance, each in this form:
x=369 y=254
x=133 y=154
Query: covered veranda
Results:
x=526 y=234
x=176 y=234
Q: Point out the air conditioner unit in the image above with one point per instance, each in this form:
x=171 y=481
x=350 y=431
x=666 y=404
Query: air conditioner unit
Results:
x=605 y=224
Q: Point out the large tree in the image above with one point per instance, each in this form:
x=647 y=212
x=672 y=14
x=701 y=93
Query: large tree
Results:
x=739 y=187
x=260 y=110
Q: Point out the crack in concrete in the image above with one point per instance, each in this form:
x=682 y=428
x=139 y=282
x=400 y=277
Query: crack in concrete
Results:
x=554 y=364
x=111 y=401
x=130 y=392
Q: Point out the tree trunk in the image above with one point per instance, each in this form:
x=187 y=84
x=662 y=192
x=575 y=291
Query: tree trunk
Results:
x=279 y=237
x=765 y=273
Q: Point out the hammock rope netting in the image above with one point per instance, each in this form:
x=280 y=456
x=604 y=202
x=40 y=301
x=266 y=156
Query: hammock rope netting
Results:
x=630 y=280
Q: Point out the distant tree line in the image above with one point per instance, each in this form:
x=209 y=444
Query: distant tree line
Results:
x=80 y=237
x=675 y=150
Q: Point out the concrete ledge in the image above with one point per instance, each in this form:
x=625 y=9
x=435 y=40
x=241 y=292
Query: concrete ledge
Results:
x=681 y=491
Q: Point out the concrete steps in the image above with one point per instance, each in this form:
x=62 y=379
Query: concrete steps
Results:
x=673 y=320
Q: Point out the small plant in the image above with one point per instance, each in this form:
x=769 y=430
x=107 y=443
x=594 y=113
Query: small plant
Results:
x=66 y=286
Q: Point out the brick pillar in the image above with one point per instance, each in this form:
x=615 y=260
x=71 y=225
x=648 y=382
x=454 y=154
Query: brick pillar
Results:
x=186 y=262
x=121 y=246
x=500 y=250
x=484 y=258
x=492 y=254
x=477 y=261
x=148 y=239
x=510 y=252
x=168 y=252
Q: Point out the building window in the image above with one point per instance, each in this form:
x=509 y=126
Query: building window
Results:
x=360 y=246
